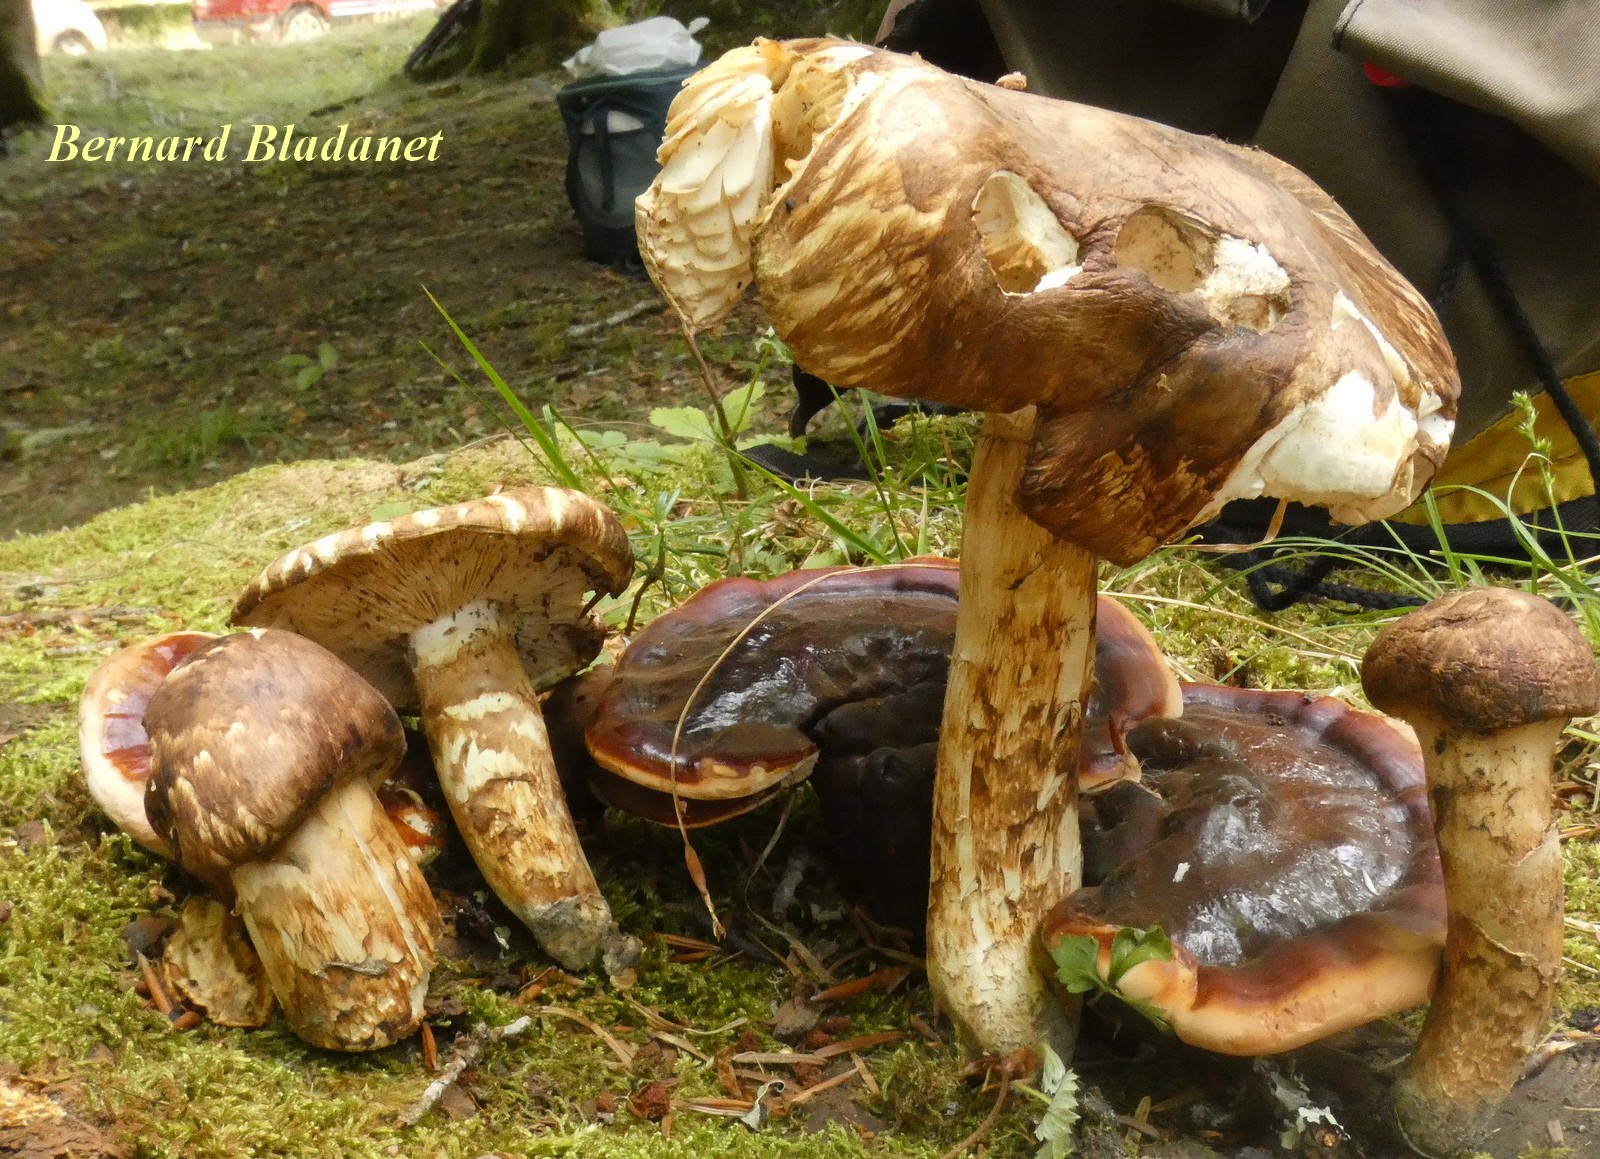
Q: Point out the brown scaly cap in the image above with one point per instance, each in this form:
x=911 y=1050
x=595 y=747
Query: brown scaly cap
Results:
x=1195 y=322
x=248 y=735
x=361 y=592
x=1485 y=659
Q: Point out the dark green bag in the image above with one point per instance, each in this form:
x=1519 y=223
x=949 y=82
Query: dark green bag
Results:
x=614 y=127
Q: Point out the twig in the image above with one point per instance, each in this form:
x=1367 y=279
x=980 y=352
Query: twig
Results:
x=989 y=1120
x=158 y=992
x=478 y=1038
x=839 y=1079
x=622 y=1050
x=582 y=329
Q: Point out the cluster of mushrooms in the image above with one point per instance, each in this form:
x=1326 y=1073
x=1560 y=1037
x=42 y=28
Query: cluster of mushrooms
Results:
x=1156 y=324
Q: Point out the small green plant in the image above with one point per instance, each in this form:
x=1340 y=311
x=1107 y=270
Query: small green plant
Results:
x=191 y=446
x=1078 y=964
x=310 y=371
x=1058 y=1091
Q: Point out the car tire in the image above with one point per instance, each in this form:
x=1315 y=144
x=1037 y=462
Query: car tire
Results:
x=72 y=43
x=302 y=22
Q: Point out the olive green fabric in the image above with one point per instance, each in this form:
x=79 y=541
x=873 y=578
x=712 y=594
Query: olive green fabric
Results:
x=1535 y=64
x=1541 y=213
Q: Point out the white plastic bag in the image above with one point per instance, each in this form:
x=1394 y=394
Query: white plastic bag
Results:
x=658 y=43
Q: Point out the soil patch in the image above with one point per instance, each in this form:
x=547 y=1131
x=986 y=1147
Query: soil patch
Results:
x=169 y=325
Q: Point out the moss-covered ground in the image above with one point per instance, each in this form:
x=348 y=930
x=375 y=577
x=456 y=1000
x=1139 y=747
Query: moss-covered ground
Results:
x=71 y=1017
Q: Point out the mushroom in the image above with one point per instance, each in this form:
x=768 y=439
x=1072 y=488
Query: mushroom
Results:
x=1156 y=322
x=710 y=701
x=1282 y=844
x=115 y=751
x=265 y=749
x=412 y=801
x=1489 y=678
x=464 y=613
x=210 y=963
x=112 y=742
x=723 y=701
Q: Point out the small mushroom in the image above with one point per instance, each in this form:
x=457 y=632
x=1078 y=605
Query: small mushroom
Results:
x=465 y=613
x=723 y=701
x=1156 y=323
x=1489 y=678
x=112 y=742
x=1283 y=844
x=412 y=801
x=265 y=749
x=210 y=963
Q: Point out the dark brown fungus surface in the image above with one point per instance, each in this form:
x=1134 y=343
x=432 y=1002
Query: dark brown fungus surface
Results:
x=1285 y=845
x=758 y=682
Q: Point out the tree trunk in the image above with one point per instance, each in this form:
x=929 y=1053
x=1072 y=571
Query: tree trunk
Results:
x=552 y=29
x=20 y=78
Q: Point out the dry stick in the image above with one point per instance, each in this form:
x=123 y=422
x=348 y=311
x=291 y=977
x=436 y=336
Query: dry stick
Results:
x=582 y=329
x=741 y=485
x=622 y=1050
x=478 y=1038
x=989 y=1120
x=158 y=992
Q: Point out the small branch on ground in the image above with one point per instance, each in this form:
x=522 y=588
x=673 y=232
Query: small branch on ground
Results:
x=465 y=1055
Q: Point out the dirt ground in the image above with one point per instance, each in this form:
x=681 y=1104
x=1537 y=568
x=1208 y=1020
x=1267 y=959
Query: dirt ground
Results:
x=161 y=323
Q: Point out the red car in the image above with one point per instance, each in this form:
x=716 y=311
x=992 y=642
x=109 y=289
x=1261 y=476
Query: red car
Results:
x=235 y=21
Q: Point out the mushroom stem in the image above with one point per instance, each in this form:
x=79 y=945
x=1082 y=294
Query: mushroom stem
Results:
x=343 y=921
x=1005 y=833
x=482 y=719
x=1502 y=875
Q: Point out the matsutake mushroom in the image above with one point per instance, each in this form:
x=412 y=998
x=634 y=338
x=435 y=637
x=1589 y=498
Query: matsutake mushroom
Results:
x=265 y=751
x=1489 y=678
x=464 y=613
x=1283 y=845
x=115 y=750
x=722 y=702
x=1157 y=323
x=210 y=964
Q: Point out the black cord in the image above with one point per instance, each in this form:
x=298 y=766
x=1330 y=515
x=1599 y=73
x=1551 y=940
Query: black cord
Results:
x=1416 y=112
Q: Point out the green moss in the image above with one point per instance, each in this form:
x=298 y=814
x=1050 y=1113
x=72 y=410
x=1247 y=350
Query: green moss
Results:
x=179 y=561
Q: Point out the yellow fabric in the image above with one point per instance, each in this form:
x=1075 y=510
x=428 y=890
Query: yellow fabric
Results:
x=1491 y=459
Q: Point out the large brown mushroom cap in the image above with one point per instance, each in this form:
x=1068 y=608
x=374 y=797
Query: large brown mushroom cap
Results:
x=736 y=691
x=1484 y=659
x=536 y=552
x=112 y=741
x=1288 y=852
x=236 y=765
x=1195 y=322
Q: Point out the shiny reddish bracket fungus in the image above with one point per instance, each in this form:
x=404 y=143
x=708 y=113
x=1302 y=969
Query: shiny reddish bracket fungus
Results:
x=1284 y=845
x=721 y=702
